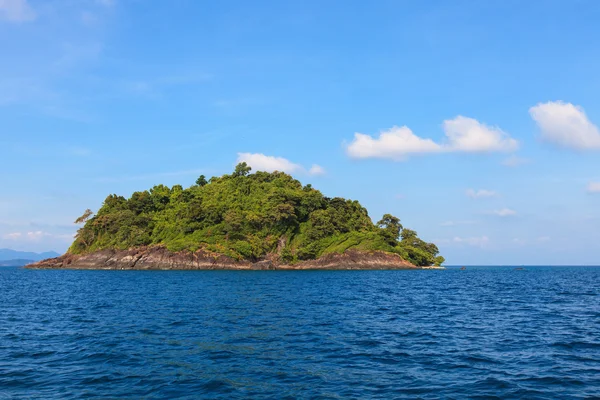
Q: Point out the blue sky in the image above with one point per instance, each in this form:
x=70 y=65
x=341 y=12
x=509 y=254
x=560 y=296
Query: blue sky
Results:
x=474 y=122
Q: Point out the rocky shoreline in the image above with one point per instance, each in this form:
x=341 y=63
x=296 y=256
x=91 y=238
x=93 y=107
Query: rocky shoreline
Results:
x=159 y=258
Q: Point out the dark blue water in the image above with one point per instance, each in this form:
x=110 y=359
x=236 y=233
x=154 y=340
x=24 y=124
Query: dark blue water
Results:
x=347 y=334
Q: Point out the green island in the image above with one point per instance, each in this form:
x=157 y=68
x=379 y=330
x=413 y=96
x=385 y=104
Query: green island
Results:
x=241 y=220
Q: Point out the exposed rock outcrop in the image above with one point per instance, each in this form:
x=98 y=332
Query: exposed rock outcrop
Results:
x=159 y=258
x=354 y=259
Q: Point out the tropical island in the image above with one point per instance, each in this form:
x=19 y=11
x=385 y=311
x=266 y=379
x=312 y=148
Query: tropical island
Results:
x=241 y=220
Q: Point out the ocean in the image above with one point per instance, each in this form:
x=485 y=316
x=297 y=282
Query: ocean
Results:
x=483 y=332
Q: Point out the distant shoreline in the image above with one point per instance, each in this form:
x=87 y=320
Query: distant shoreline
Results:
x=19 y=262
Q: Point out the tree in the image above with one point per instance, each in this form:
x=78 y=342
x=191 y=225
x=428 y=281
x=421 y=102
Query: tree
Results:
x=390 y=228
x=408 y=235
x=242 y=169
x=201 y=181
x=283 y=214
x=320 y=225
x=160 y=195
x=113 y=203
x=140 y=202
x=85 y=236
x=84 y=217
x=234 y=221
x=431 y=249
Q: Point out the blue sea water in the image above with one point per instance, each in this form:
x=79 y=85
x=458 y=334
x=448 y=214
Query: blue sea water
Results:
x=485 y=332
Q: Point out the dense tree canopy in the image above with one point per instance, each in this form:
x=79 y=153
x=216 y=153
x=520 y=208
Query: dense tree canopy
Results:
x=201 y=181
x=247 y=216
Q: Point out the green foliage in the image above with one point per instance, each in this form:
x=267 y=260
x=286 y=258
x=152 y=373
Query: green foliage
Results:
x=84 y=217
x=418 y=251
x=242 y=169
x=390 y=228
x=286 y=255
x=201 y=181
x=246 y=216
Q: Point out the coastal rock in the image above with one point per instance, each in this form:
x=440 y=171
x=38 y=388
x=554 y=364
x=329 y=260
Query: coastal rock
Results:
x=354 y=259
x=159 y=258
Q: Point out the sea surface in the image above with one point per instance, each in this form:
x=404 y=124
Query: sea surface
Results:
x=483 y=332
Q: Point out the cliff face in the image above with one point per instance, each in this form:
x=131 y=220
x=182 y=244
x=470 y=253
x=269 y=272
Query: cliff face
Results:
x=159 y=258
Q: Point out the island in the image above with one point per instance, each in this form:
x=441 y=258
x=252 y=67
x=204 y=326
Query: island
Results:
x=241 y=221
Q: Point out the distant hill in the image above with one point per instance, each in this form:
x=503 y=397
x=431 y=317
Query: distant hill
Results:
x=15 y=263
x=8 y=254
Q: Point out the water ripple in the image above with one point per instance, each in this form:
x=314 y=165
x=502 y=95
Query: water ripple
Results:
x=482 y=333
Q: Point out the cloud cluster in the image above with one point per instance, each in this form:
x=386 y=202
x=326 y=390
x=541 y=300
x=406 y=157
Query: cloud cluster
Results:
x=395 y=144
x=481 y=193
x=566 y=125
x=316 y=170
x=560 y=123
x=463 y=134
x=12 y=236
x=16 y=11
x=593 y=187
x=504 y=212
x=261 y=162
x=469 y=135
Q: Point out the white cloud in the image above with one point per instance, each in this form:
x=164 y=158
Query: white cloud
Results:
x=469 y=135
x=481 y=193
x=261 y=162
x=316 y=170
x=504 y=212
x=593 y=187
x=456 y=223
x=462 y=135
x=515 y=161
x=542 y=239
x=480 y=241
x=12 y=236
x=16 y=11
x=566 y=125
x=395 y=144
x=36 y=235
